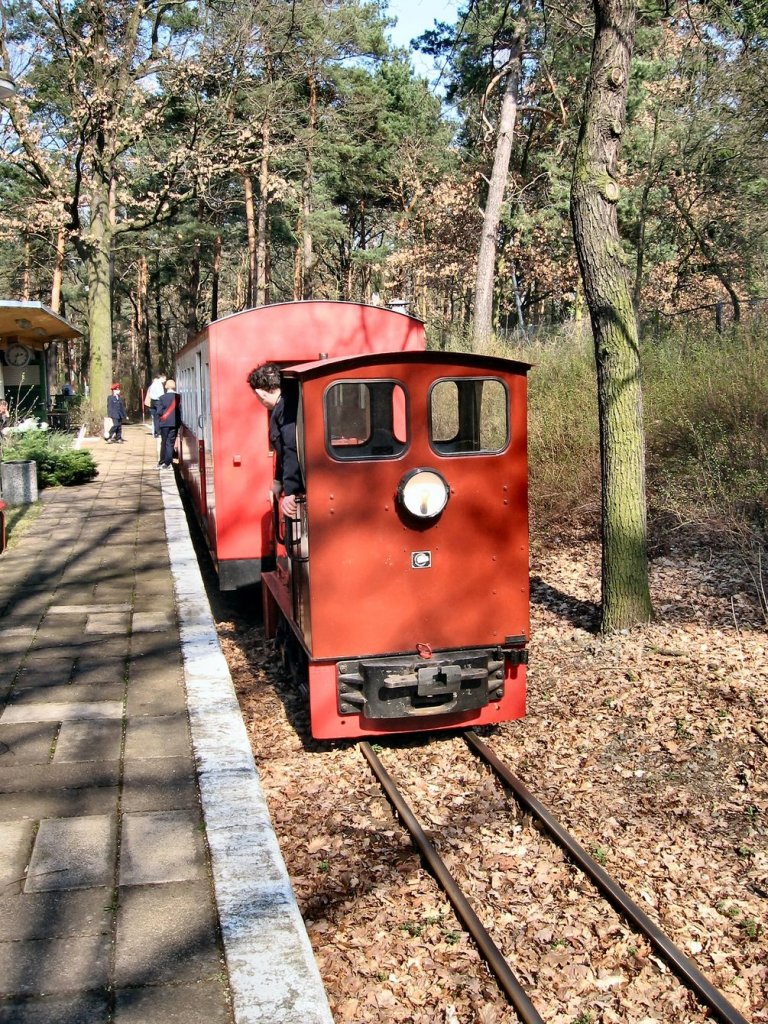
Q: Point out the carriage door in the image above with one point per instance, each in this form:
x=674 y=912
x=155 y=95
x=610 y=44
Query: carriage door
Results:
x=297 y=530
x=205 y=401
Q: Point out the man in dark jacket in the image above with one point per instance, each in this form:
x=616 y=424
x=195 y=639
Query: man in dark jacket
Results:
x=266 y=385
x=116 y=411
x=169 y=421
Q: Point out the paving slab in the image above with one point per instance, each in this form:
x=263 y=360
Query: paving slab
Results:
x=200 y=1003
x=73 y=593
x=94 y=668
x=62 y=712
x=31 y=603
x=157 y=736
x=102 y=647
x=154 y=700
x=42 y=655
x=149 y=649
x=155 y=668
x=30 y=743
x=61 y=631
x=88 y=609
x=153 y=622
x=15 y=845
x=159 y=784
x=161 y=846
x=19 y=631
x=35 y=778
x=54 y=966
x=166 y=933
x=43 y=915
x=74 y=692
x=83 y=1008
x=72 y=853
x=51 y=672
x=67 y=803
x=13 y=649
x=107 y=593
x=112 y=622
x=89 y=741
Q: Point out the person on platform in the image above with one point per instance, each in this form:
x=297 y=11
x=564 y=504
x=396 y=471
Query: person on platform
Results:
x=155 y=392
x=169 y=421
x=117 y=413
x=266 y=385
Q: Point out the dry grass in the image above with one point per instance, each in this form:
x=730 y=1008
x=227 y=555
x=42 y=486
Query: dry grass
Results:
x=706 y=424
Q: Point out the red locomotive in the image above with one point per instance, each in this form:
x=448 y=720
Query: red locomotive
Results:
x=224 y=448
x=402 y=586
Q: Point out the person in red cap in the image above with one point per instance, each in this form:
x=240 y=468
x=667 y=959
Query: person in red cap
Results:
x=116 y=411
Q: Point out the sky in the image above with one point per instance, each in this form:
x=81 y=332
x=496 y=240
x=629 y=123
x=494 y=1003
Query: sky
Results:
x=415 y=17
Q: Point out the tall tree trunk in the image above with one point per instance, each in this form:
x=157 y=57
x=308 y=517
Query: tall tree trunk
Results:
x=518 y=300
x=297 y=261
x=97 y=257
x=307 y=255
x=142 y=317
x=58 y=271
x=643 y=217
x=158 y=357
x=26 y=279
x=216 y=276
x=482 y=321
x=193 y=288
x=349 y=275
x=594 y=194
x=250 y=221
x=261 y=227
x=99 y=322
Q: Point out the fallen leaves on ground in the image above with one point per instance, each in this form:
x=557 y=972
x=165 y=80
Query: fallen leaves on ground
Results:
x=649 y=746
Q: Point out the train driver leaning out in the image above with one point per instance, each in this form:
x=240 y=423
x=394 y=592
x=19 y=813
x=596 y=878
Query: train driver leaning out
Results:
x=266 y=384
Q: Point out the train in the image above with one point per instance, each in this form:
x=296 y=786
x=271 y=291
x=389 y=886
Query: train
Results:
x=399 y=593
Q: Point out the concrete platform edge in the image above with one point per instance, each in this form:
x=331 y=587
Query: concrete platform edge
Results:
x=273 y=974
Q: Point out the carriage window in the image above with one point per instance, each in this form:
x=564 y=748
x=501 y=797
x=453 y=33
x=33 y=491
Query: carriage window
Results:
x=469 y=416
x=365 y=419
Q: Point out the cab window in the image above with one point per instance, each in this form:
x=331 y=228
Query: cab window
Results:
x=469 y=416
x=365 y=419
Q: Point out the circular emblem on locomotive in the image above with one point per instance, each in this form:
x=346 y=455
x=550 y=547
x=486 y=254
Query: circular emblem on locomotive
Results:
x=421 y=559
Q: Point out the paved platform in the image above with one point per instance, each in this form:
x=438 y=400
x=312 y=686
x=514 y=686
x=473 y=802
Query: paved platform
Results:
x=140 y=877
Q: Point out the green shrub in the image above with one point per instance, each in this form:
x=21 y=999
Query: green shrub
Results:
x=71 y=468
x=58 y=464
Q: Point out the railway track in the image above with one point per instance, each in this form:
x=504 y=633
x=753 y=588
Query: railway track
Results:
x=685 y=970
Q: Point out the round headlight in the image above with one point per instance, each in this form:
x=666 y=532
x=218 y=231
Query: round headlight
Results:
x=424 y=493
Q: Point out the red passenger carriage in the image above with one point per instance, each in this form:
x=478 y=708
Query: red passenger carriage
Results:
x=224 y=448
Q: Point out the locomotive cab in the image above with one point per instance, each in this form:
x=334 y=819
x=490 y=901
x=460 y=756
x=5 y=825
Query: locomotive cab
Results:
x=404 y=582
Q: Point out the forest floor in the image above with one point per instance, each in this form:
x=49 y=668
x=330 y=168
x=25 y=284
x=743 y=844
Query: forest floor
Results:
x=651 y=747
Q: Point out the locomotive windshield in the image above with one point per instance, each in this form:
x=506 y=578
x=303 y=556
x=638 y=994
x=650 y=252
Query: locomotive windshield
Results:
x=469 y=416
x=366 y=419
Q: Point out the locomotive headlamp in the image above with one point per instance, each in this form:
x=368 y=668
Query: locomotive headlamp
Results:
x=423 y=492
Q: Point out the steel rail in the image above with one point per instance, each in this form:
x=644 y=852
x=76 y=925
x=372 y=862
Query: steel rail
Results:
x=681 y=965
x=493 y=955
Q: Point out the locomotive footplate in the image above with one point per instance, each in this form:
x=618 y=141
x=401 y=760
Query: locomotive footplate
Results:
x=402 y=687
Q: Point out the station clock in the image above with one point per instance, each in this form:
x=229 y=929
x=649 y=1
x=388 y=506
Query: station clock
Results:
x=18 y=355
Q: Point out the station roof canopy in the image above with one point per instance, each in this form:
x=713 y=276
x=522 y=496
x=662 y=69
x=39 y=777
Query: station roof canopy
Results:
x=33 y=324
